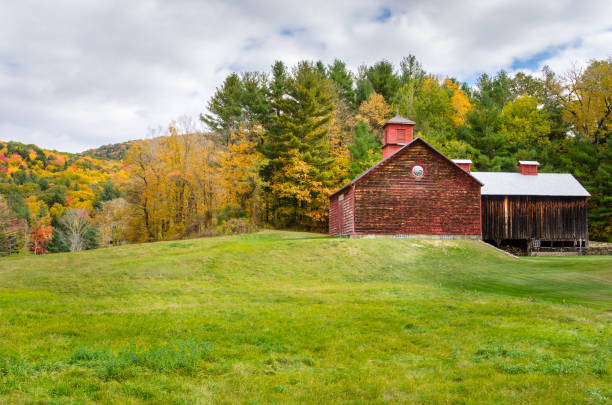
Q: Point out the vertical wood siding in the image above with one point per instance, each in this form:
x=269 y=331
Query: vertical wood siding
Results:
x=532 y=217
x=341 y=213
x=444 y=201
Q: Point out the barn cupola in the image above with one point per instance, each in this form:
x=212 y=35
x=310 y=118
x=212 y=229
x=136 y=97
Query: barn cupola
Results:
x=397 y=132
x=528 y=167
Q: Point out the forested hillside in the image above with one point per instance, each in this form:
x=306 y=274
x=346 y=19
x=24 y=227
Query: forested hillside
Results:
x=113 y=151
x=41 y=190
x=280 y=142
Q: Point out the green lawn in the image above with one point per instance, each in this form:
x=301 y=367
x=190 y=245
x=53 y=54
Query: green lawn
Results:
x=282 y=317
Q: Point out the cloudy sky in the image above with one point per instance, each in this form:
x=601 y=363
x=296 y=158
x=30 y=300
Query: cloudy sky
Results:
x=82 y=73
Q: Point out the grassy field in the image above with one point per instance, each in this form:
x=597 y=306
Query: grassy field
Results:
x=281 y=317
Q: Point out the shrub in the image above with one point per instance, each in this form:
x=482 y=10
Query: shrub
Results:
x=237 y=226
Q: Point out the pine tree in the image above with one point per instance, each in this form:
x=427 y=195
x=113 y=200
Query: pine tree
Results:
x=343 y=79
x=297 y=148
x=487 y=142
x=363 y=91
x=384 y=80
x=365 y=150
x=225 y=108
x=593 y=167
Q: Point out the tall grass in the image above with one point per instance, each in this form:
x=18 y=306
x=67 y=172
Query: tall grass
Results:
x=177 y=355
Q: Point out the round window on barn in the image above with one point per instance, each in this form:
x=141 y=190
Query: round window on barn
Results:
x=417 y=171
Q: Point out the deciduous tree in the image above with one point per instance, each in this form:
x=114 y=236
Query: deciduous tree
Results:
x=524 y=123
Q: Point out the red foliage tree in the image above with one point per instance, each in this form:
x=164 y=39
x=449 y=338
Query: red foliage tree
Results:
x=40 y=236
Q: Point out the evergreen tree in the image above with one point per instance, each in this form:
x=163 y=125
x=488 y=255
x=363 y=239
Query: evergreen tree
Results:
x=254 y=99
x=559 y=127
x=343 y=79
x=363 y=91
x=497 y=89
x=58 y=242
x=411 y=70
x=241 y=100
x=108 y=192
x=365 y=150
x=321 y=68
x=593 y=167
x=384 y=80
x=487 y=142
x=277 y=87
x=225 y=108
x=297 y=149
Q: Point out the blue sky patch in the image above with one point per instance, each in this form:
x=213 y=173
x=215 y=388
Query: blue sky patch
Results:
x=383 y=14
x=10 y=65
x=533 y=62
x=291 y=32
x=252 y=43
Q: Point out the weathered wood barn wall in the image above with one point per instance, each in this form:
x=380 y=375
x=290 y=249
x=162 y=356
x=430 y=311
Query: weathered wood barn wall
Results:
x=444 y=201
x=534 y=217
x=533 y=210
x=341 y=213
x=390 y=200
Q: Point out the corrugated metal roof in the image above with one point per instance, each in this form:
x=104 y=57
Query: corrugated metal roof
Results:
x=542 y=184
x=399 y=120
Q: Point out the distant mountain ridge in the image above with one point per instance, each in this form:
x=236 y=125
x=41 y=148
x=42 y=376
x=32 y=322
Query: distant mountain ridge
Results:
x=113 y=151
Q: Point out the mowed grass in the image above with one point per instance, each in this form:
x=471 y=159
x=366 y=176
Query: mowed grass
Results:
x=282 y=317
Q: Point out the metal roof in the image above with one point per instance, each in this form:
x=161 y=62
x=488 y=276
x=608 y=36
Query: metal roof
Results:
x=462 y=161
x=542 y=184
x=399 y=120
x=529 y=162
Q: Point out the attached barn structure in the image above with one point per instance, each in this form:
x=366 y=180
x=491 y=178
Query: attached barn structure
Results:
x=417 y=191
x=534 y=211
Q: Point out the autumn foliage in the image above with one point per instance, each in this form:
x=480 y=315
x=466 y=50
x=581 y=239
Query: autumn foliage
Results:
x=277 y=144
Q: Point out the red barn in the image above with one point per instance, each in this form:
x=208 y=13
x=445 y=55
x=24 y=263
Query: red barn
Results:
x=414 y=190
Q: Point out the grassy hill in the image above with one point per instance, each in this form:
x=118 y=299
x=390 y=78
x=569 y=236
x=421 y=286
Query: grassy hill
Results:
x=281 y=317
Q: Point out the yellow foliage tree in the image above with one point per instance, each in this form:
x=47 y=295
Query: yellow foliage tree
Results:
x=112 y=222
x=460 y=102
x=340 y=136
x=524 y=123
x=586 y=95
x=240 y=165
x=174 y=188
x=375 y=111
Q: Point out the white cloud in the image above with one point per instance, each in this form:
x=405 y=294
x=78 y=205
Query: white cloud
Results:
x=76 y=74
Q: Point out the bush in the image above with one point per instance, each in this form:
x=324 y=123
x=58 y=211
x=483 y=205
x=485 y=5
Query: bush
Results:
x=229 y=212
x=237 y=226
